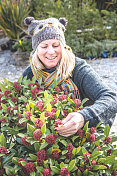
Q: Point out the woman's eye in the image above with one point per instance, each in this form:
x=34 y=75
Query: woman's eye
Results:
x=43 y=46
x=56 y=46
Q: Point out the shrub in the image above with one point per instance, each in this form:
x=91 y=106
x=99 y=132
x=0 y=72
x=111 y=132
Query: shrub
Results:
x=30 y=145
x=12 y=14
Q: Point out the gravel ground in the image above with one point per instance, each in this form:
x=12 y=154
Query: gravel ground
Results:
x=106 y=68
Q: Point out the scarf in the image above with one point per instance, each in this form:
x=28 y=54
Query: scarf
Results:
x=48 y=80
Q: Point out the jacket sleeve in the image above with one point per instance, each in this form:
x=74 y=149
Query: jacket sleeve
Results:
x=28 y=72
x=104 y=107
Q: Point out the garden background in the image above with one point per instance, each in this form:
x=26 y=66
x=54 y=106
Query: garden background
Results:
x=91 y=33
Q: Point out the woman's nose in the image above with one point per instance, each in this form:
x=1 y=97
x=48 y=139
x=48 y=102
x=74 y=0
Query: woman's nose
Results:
x=51 y=50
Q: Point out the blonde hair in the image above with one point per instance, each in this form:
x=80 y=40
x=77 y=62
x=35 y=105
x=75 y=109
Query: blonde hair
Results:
x=65 y=66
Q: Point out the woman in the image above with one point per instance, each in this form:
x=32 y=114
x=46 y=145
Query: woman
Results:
x=52 y=58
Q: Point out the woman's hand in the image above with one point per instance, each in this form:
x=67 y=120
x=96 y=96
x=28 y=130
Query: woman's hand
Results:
x=71 y=124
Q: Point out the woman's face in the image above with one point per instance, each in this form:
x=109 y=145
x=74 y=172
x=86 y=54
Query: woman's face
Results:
x=49 y=52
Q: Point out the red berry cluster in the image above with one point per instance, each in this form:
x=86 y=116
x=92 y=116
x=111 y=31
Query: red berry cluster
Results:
x=77 y=103
x=3 y=150
x=64 y=172
x=46 y=172
x=55 y=154
x=37 y=134
x=40 y=105
x=38 y=123
x=41 y=156
x=80 y=133
x=24 y=142
x=27 y=115
x=7 y=93
x=51 y=138
x=85 y=157
x=69 y=147
x=17 y=86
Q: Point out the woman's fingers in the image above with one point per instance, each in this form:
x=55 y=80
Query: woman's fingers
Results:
x=72 y=123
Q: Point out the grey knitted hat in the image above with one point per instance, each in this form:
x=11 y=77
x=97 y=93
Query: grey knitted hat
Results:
x=50 y=28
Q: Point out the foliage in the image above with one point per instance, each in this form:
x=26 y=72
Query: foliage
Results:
x=12 y=14
x=23 y=45
x=91 y=47
x=30 y=145
x=94 y=25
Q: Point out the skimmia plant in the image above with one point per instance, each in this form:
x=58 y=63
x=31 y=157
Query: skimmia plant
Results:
x=30 y=145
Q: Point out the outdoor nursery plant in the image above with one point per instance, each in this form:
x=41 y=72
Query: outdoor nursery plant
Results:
x=30 y=145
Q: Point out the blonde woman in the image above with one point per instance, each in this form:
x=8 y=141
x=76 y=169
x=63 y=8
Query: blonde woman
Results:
x=52 y=58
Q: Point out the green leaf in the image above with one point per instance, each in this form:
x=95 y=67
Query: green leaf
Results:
x=98 y=125
x=20 y=79
x=71 y=101
x=28 y=107
x=49 y=107
x=55 y=169
x=62 y=165
x=9 y=83
x=98 y=167
x=23 y=120
x=39 y=168
x=40 y=81
x=85 y=128
x=8 y=158
x=95 y=154
x=57 y=113
x=107 y=130
x=32 y=174
x=64 y=152
x=110 y=159
x=42 y=117
x=63 y=142
x=84 y=101
x=114 y=139
x=4 y=107
x=101 y=160
x=23 y=163
x=76 y=150
x=45 y=94
x=85 y=173
x=30 y=129
x=33 y=157
x=74 y=138
x=32 y=104
x=12 y=104
x=2 y=87
x=71 y=165
x=37 y=146
x=100 y=137
x=43 y=129
x=2 y=140
x=15 y=160
x=21 y=135
x=32 y=119
x=23 y=98
x=44 y=145
x=114 y=166
x=83 y=150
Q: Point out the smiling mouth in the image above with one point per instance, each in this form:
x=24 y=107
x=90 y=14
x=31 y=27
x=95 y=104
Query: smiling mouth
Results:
x=51 y=58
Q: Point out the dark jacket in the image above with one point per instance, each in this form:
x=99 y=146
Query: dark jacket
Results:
x=102 y=104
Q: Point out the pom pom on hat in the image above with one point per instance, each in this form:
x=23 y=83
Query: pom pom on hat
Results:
x=63 y=21
x=28 y=20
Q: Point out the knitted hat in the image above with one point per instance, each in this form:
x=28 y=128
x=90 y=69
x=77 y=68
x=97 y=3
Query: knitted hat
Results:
x=50 y=28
